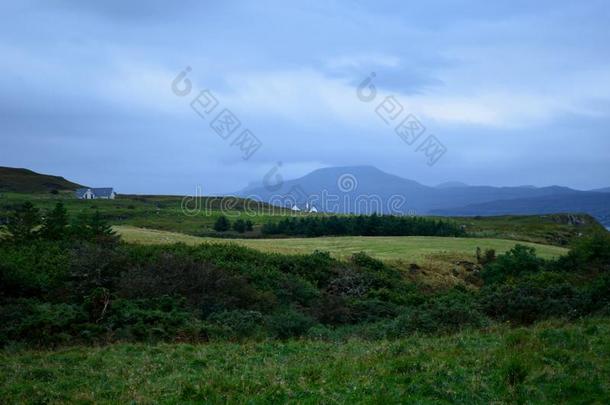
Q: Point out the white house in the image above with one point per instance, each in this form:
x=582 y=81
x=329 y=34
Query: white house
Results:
x=310 y=208
x=106 y=193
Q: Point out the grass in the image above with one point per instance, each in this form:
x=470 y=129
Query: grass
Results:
x=165 y=213
x=437 y=257
x=552 y=363
x=415 y=249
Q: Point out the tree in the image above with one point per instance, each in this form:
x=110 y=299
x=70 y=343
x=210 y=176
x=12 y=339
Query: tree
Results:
x=100 y=230
x=239 y=226
x=23 y=223
x=55 y=224
x=249 y=225
x=93 y=228
x=222 y=224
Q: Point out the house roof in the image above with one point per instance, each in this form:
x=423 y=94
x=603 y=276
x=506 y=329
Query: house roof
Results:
x=81 y=192
x=103 y=192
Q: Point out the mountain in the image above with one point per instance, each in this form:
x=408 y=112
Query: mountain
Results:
x=595 y=204
x=601 y=190
x=366 y=189
x=452 y=184
x=26 y=181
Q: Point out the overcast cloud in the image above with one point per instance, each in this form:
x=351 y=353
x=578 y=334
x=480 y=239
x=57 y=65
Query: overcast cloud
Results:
x=519 y=92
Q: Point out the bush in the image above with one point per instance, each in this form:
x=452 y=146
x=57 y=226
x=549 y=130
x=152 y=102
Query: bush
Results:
x=528 y=301
x=239 y=226
x=450 y=312
x=288 y=323
x=516 y=262
x=41 y=323
x=206 y=287
x=222 y=224
x=238 y=324
x=32 y=270
x=154 y=319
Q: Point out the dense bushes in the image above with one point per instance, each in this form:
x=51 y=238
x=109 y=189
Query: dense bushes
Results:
x=363 y=225
x=56 y=290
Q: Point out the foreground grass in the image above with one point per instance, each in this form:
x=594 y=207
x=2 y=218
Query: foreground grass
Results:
x=549 y=363
x=416 y=249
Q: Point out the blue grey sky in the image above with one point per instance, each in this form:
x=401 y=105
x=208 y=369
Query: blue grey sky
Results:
x=517 y=91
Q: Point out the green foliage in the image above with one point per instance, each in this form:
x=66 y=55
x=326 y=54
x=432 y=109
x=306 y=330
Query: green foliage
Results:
x=224 y=291
x=54 y=225
x=40 y=323
x=445 y=313
x=153 y=319
x=554 y=363
x=289 y=323
x=488 y=257
x=237 y=324
x=222 y=224
x=529 y=301
x=22 y=225
x=363 y=225
x=33 y=269
x=239 y=226
x=518 y=261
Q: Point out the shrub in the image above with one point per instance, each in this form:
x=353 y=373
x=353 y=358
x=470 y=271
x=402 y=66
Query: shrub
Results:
x=445 y=313
x=41 y=323
x=518 y=261
x=222 y=224
x=153 y=319
x=54 y=226
x=238 y=324
x=205 y=287
x=527 y=302
x=239 y=226
x=32 y=270
x=23 y=223
x=288 y=323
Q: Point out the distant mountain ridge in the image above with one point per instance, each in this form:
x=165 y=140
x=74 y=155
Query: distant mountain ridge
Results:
x=351 y=187
x=26 y=181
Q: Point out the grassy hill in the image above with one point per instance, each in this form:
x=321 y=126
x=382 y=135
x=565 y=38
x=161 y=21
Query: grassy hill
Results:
x=26 y=181
x=441 y=260
x=553 y=362
x=165 y=213
x=413 y=248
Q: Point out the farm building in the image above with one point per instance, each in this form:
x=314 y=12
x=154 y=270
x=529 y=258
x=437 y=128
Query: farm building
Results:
x=106 y=193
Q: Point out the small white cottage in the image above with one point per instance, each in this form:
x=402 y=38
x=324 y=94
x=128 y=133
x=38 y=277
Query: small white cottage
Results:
x=106 y=193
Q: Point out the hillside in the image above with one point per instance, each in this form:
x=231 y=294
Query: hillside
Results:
x=596 y=204
x=366 y=189
x=26 y=181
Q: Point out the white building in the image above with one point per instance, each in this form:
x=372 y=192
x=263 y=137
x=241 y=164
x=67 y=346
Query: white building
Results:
x=106 y=193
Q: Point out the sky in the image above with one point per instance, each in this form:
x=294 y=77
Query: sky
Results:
x=516 y=92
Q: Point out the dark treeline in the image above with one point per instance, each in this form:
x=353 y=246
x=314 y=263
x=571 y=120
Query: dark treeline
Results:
x=363 y=225
x=28 y=224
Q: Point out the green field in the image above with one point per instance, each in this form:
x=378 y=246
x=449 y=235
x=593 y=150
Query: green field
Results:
x=165 y=213
x=414 y=249
x=551 y=363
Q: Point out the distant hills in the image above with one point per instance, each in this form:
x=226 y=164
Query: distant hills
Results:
x=366 y=189
x=26 y=181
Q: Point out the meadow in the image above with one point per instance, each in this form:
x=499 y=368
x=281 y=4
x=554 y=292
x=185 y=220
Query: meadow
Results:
x=166 y=213
x=553 y=362
x=413 y=249
x=94 y=313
